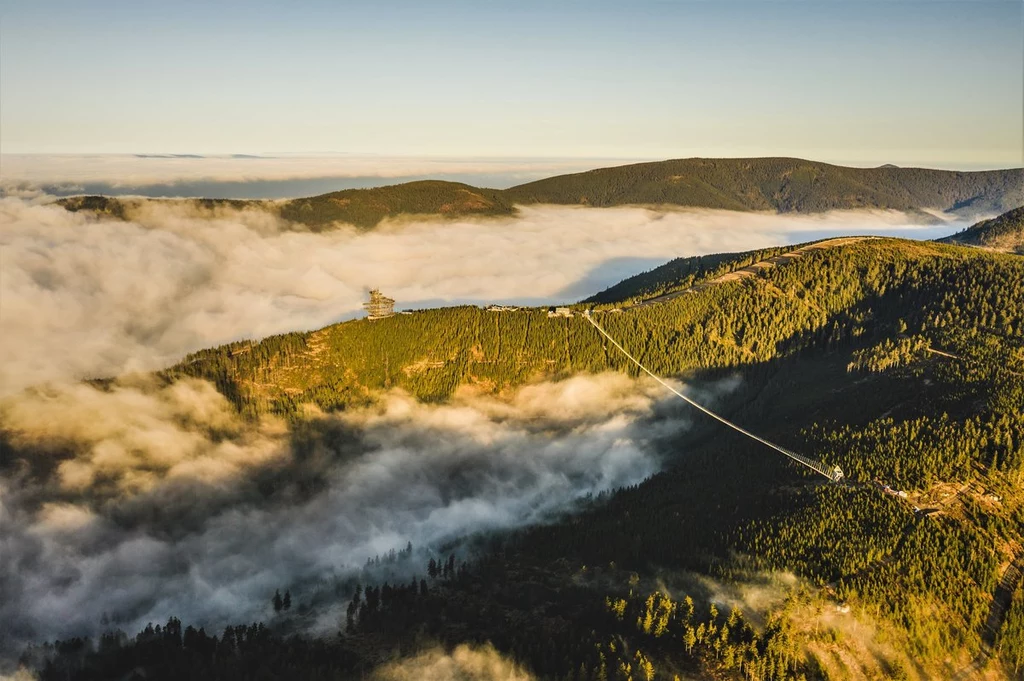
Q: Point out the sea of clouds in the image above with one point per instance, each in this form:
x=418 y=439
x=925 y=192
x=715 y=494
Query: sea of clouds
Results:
x=141 y=501
x=261 y=176
x=82 y=297
x=132 y=504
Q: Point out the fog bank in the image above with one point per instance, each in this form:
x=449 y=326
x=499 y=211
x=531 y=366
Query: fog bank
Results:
x=132 y=504
x=465 y=663
x=263 y=176
x=82 y=297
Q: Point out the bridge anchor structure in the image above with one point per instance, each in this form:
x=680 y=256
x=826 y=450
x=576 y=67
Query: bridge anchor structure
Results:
x=832 y=473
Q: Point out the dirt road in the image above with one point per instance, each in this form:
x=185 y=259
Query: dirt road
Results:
x=751 y=270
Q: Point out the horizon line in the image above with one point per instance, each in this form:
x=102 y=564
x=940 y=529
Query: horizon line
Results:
x=979 y=166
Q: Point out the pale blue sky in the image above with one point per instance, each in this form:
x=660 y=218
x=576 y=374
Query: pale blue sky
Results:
x=927 y=83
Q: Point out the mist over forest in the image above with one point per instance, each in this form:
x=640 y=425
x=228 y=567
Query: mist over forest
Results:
x=512 y=341
x=96 y=297
x=139 y=486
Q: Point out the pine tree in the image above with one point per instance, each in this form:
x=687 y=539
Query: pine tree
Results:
x=689 y=638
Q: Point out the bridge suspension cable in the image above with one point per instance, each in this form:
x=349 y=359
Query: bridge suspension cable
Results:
x=833 y=473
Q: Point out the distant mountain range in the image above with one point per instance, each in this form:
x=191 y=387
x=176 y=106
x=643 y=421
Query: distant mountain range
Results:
x=363 y=208
x=783 y=185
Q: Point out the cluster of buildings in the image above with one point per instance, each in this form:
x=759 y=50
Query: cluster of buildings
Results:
x=379 y=306
x=552 y=311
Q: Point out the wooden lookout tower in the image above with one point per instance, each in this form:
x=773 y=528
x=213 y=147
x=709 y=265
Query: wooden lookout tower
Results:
x=379 y=306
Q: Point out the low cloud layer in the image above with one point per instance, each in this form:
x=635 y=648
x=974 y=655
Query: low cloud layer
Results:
x=262 y=176
x=81 y=297
x=465 y=663
x=21 y=674
x=139 y=502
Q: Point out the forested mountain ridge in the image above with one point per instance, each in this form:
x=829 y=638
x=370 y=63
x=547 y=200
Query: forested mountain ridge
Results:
x=432 y=352
x=837 y=352
x=779 y=184
x=367 y=207
x=362 y=208
x=128 y=208
x=1004 y=233
x=784 y=185
x=685 y=275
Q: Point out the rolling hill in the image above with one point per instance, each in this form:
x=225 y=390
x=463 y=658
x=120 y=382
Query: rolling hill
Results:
x=362 y=208
x=1002 y=233
x=779 y=184
x=367 y=207
x=901 y=361
x=758 y=184
x=432 y=352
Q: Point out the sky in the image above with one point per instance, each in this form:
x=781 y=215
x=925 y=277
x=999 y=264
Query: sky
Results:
x=913 y=83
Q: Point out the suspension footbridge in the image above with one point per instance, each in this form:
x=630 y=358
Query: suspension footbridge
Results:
x=832 y=473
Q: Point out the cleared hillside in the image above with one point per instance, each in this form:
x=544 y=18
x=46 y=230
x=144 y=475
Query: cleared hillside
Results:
x=1003 y=233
